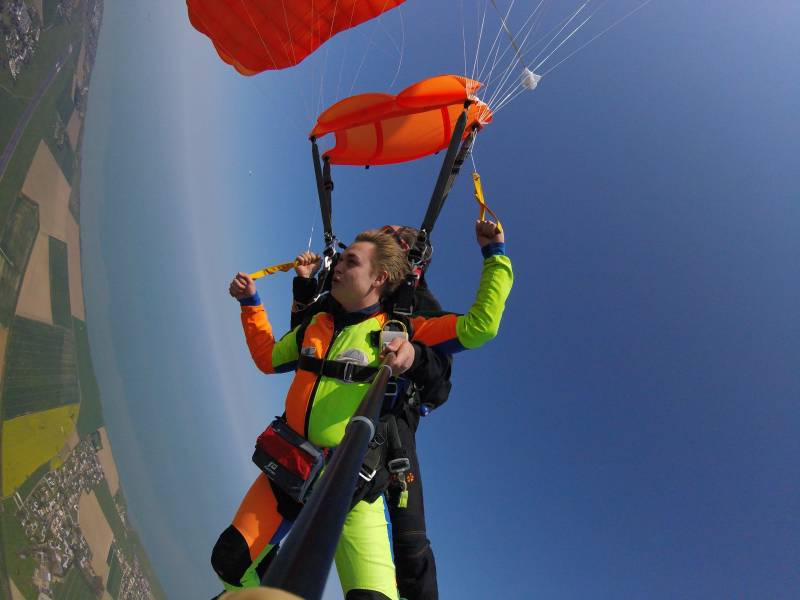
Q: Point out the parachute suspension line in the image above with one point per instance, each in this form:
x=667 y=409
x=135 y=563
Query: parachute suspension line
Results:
x=401 y=49
x=511 y=39
x=513 y=93
x=337 y=97
x=560 y=31
x=258 y=33
x=502 y=86
x=313 y=67
x=311 y=235
x=478 y=48
x=320 y=100
x=528 y=79
x=298 y=123
x=464 y=37
x=564 y=41
x=288 y=30
x=603 y=32
x=531 y=79
x=495 y=47
x=367 y=49
x=504 y=74
x=531 y=27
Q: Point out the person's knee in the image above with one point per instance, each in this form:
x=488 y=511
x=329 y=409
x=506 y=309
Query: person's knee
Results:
x=410 y=543
x=365 y=595
x=231 y=556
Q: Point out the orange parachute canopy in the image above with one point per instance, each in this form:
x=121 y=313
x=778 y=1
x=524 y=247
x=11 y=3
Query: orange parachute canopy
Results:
x=261 y=35
x=380 y=129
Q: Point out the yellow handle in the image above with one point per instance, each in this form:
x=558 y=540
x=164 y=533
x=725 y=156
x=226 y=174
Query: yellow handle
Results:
x=478 y=191
x=273 y=269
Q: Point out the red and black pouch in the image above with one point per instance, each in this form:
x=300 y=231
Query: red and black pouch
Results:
x=289 y=460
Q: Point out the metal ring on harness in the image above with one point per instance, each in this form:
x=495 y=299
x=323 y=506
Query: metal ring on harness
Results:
x=368 y=422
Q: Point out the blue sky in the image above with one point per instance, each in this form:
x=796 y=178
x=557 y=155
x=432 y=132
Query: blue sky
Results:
x=632 y=431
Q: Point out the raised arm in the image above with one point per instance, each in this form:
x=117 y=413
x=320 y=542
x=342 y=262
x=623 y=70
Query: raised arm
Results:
x=269 y=355
x=304 y=288
x=452 y=333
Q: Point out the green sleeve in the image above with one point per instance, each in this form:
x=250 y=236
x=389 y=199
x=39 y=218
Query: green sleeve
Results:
x=482 y=321
x=285 y=353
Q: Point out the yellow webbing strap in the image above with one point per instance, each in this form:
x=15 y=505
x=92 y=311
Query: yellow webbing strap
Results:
x=478 y=191
x=273 y=269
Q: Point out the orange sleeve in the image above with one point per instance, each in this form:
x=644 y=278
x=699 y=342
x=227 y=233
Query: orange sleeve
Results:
x=270 y=356
x=437 y=332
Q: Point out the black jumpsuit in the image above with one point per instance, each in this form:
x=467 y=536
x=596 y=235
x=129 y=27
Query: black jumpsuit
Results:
x=413 y=556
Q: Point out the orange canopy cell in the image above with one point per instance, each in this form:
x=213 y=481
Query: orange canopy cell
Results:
x=261 y=35
x=380 y=129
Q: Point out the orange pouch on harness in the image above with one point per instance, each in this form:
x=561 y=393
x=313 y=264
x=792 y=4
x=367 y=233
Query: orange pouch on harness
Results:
x=289 y=460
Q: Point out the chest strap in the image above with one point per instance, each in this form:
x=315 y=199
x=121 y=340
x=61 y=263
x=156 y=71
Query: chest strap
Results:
x=345 y=371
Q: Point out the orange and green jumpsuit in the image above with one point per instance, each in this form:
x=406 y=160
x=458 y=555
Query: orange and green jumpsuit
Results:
x=319 y=408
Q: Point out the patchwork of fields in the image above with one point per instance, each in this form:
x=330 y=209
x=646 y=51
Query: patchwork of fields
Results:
x=64 y=532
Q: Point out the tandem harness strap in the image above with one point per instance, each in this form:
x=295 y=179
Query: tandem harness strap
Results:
x=289 y=460
x=348 y=372
x=293 y=463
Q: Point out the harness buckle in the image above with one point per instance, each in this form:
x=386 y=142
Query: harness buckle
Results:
x=392 y=389
x=399 y=465
x=347 y=372
x=404 y=311
x=365 y=474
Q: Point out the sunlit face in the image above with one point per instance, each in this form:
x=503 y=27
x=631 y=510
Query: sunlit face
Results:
x=354 y=278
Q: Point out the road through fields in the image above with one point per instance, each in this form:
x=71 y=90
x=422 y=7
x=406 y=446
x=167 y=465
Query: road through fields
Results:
x=11 y=146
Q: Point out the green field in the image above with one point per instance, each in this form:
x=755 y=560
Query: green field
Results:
x=59 y=283
x=74 y=587
x=16 y=242
x=14 y=541
x=41 y=370
x=50 y=15
x=14 y=95
x=90 y=417
x=26 y=488
x=75 y=192
x=110 y=511
x=127 y=540
x=114 y=580
x=11 y=108
x=64 y=156
x=40 y=127
x=65 y=105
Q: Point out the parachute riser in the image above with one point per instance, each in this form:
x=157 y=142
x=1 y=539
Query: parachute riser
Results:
x=420 y=253
x=322 y=173
x=324 y=189
x=451 y=167
x=446 y=174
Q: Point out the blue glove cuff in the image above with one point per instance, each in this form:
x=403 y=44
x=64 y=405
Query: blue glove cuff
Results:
x=253 y=300
x=494 y=249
